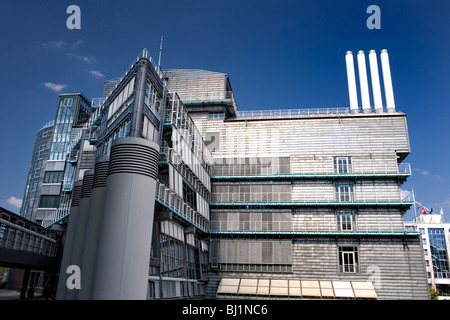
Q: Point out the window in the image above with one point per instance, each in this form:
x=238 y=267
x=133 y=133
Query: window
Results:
x=346 y=220
x=49 y=202
x=342 y=164
x=189 y=196
x=53 y=176
x=438 y=250
x=216 y=115
x=344 y=192
x=348 y=260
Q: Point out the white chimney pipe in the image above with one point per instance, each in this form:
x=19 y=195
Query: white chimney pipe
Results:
x=389 y=92
x=351 y=82
x=365 y=100
x=376 y=88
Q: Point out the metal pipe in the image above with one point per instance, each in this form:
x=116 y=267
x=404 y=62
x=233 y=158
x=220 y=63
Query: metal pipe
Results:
x=88 y=259
x=363 y=83
x=80 y=227
x=353 y=95
x=388 y=90
x=124 y=244
x=376 y=88
x=69 y=240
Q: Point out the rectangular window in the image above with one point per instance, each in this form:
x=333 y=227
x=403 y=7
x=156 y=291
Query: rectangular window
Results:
x=438 y=252
x=344 y=192
x=216 y=115
x=346 y=220
x=53 y=176
x=49 y=202
x=348 y=260
x=342 y=164
x=189 y=196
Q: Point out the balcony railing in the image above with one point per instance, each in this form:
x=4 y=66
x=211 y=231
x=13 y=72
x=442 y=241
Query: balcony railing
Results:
x=249 y=171
x=291 y=112
x=207 y=96
x=174 y=202
x=306 y=226
x=309 y=198
x=58 y=215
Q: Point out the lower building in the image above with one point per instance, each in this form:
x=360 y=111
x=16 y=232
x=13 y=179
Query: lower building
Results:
x=435 y=236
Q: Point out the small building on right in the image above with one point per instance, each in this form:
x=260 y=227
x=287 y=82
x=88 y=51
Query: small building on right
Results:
x=436 y=246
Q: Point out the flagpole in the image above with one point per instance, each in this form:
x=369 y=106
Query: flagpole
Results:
x=160 y=50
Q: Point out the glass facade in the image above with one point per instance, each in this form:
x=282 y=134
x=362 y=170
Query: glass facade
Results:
x=63 y=128
x=36 y=172
x=438 y=252
x=73 y=110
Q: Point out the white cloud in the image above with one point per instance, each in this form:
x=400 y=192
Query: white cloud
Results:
x=56 y=44
x=96 y=73
x=15 y=202
x=82 y=58
x=422 y=171
x=55 y=86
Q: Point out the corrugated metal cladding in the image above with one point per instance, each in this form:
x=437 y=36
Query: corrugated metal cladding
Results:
x=299 y=137
x=197 y=84
x=268 y=160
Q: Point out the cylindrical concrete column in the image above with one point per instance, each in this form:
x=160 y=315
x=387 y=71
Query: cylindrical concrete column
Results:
x=352 y=93
x=376 y=88
x=82 y=220
x=123 y=253
x=68 y=241
x=363 y=83
x=89 y=256
x=388 y=90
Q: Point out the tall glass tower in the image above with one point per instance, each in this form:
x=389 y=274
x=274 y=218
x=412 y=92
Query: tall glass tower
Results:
x=73 y=111
x=36 y=172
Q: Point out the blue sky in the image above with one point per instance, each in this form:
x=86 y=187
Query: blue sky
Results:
x=278 y=54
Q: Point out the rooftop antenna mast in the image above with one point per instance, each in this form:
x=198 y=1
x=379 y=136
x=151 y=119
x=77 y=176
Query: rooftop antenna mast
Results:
x=160 y=50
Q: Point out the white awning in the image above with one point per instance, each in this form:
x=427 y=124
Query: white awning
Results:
x=296 y=288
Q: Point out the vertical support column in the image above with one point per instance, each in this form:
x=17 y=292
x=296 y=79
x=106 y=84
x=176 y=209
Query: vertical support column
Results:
x=388 y=90
x=95 y=215
x=25 y=280
x=363 y=83
x=123 y=253
x=69 y=240
x=376 y=88
x=80 y=227
x=137 y=114
x=353 y=95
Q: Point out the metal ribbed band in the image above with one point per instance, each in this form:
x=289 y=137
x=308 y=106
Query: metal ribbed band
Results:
x=134 y=155
x=88 y=180
x=76 y=194
x=101 y=172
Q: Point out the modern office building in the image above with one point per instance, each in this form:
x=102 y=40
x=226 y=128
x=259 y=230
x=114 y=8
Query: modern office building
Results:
x=72 y=113
x=197 y=198
x=436 y=250
x=36 y=172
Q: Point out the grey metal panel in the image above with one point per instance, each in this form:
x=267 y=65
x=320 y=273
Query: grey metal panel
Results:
x=336 y=135
x=255 y=252
x=395 y=265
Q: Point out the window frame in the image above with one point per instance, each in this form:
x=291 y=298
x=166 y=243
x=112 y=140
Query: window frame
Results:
x=345 y=251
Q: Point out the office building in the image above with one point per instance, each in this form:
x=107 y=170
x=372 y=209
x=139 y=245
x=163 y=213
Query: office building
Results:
x=72 y=112
x=436 y=243
x=198 y=198
x=36 y=172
